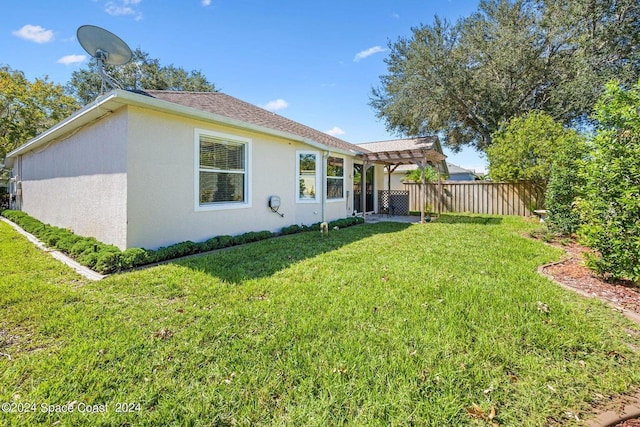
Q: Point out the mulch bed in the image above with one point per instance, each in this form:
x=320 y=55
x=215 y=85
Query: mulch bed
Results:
x=572 y=273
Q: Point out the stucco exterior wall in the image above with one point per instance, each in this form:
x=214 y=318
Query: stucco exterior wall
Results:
x=79 y=182
x=161 y=197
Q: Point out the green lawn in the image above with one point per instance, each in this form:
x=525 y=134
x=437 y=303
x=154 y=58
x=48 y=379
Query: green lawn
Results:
x=384 y=324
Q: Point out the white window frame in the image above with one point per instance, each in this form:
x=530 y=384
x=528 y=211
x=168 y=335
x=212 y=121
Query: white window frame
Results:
x=343 y=177
x=196 y=176
x=319 y=187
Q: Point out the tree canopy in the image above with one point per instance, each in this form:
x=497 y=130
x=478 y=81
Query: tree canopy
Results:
x=28 y=108
x=141 y=73
x=526 y=148
x=462 y=80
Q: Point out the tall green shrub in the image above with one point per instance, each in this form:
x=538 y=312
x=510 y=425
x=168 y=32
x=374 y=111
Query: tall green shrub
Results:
x=566 y=184
x=610 y=206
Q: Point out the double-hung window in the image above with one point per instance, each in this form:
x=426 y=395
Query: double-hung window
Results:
x=222 y=171
x=335 y=178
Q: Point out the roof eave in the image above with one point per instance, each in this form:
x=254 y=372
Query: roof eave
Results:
x=87 y=114
x=117 y=98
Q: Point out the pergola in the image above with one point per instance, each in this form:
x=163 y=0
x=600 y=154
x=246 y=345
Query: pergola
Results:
x=423 y=152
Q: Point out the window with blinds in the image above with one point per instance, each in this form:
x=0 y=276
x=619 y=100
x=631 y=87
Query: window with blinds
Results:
x=335 y=178
x=222 y=171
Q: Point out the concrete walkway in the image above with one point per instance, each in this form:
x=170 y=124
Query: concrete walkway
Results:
x=393 y=218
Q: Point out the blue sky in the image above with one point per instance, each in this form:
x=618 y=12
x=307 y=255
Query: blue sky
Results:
x=313 y=62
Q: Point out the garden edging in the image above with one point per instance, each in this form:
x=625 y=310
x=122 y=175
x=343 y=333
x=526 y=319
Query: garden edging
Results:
x=60 y=256
x=631 y=407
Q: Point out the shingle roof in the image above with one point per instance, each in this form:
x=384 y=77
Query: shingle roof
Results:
x=425 y=142
x=234 y=108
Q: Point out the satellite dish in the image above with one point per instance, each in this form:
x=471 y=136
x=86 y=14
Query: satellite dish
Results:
x=106 y=48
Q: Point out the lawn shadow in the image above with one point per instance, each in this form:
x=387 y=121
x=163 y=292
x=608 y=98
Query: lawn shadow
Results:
x=467 y=219
x=264 y=258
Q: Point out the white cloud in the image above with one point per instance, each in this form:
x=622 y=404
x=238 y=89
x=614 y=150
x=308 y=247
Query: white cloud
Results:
x=34 y=33
x=335 y=131
x=275 y=105
x=122 y=8
x=366 y=53
x=206 y=3
x=71 y=59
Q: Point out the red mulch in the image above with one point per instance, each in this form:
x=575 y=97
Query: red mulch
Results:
x=572 y=273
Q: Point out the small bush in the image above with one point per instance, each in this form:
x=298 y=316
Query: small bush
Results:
x=211 y=244
x=292 y=229
x=67 y=241
x=184 y=248
x=252 y=236
x=82 y=246
x=224 y=241
x=134 y=257
x=108 y=262
x=88 y=259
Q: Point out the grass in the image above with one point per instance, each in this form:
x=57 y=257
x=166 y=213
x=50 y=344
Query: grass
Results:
x=444 y=323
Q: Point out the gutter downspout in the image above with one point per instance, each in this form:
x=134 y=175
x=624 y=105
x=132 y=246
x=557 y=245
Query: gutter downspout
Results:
x=323 y=198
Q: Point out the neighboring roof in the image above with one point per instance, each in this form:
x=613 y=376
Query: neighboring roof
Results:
x=213 y=106
x=457 y=170
x=234 y=108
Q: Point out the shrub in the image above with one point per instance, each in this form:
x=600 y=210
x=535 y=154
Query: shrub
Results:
x=224 y=241
x=346 y=222
x=108 y=261
x=292 y=229
x=88 y=259
x=253 y=236
x=565 y=185
x=184 y=248
x=609 y=207
x=84 y=246
x=134 y=257
x=67 y=241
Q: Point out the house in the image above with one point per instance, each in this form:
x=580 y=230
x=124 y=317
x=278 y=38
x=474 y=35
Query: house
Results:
x=149 y=169
x=457 y=173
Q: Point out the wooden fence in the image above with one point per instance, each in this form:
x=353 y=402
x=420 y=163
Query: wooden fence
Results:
x=482 y=197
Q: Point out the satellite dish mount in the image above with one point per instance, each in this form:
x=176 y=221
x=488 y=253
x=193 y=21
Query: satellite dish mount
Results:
x=106 y=48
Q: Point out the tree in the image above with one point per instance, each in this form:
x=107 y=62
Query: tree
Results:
x=415 y=175
x=526 y=147
x=28 y=108
x=463 y=80
x=609 y=207
x=141 y=73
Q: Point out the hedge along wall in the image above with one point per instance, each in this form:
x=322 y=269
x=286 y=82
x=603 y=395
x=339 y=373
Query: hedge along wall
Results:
x=107 y=259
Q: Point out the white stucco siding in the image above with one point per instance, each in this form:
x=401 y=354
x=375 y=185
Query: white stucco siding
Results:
x=79 y=182
x=311 y=212
x=161 y=195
